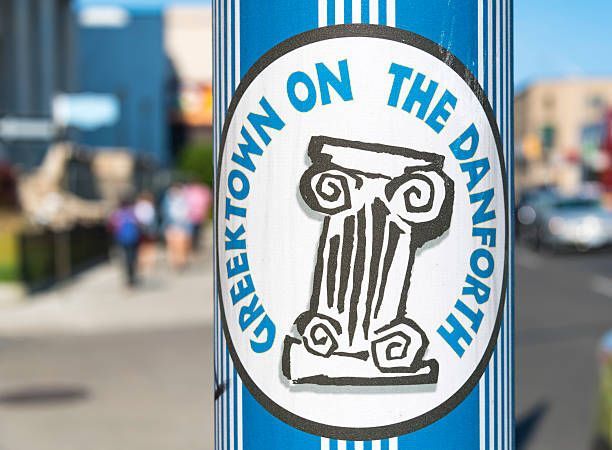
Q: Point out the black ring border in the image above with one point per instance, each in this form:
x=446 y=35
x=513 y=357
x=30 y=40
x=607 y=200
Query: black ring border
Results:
x=448 y=58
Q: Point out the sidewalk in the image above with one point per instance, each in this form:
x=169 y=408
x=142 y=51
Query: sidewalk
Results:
x=98 y=302
x=93 y=365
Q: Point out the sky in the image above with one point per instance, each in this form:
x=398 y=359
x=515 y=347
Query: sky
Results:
x=562 y=38
x=553 y=38
x=140 y=4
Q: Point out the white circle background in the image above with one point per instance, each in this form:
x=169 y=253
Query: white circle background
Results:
x=282 y=234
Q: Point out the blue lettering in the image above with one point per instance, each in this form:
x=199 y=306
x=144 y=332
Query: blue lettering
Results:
x=267 y=328
x=243 y=288
x=478 y=255
x=238 y=192
x=476 y=170
x=482 y=215
x=440 y=115
x=341 y=85
x=457 y=147
x=400 y=73
x=420 y=96
x=250 y=313
x=237 y=265
x=309 y=102
x=477 y=289
x=455 y=335
x=235 y=241
x=233 y=210
x=246 y=150
x=270 y=120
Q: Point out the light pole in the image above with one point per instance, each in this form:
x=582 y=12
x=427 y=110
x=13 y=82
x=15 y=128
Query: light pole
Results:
x=363 y=224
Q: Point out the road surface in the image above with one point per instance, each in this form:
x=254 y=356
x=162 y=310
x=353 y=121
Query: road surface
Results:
x=92 y=369
x=563 y=307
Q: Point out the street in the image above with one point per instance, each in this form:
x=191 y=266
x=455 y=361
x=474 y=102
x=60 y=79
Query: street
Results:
x=133 y=391
x=109 y=382
x=563 y=307
x=93 y=365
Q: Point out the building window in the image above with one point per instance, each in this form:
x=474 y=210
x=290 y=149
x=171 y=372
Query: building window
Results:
x=595 y=102
x=548 y=134
x=549 y=102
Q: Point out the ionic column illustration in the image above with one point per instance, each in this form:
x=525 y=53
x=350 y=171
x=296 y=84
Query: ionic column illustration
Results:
x=379 y=205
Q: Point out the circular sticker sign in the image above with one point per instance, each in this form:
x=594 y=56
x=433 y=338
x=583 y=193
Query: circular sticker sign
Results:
x=361 y=232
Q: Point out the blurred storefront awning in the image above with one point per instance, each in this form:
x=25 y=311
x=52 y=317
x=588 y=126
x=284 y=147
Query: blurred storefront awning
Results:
x=86 y=111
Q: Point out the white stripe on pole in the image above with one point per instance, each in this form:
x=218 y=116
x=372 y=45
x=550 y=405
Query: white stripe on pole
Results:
x=228 y=66
x=491 y=409
x=480 y=42
x=222 y=419
x=359 y=445
x=221 y=117
x=231 y=409
x=240 y=419
x=237 y=42
x=510 y=45
x=482 y=384
x=374 y=6
x=391 y=13
x=322 y=13
x=227 y=77
x=393 y=443
x=215 y=143
x=490 y=50
x=341 y=445
x=324 y=444
x=498 y=113
x=481 y=413
x=507 y=375
x=223 y=65
x=356 y=11
x=508 y=115
x=376 y=445
x=500 y=418
x=498 y=74
x=237 y=76
x=339 y=10
x=504 y=399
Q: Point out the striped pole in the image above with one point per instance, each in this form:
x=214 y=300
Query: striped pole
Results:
x=363 y=232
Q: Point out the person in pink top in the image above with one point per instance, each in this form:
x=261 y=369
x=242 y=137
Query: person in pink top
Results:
x=199 y=198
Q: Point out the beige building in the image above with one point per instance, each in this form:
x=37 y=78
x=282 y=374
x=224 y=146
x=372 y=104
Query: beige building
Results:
x=552 y=117
x=188 y=44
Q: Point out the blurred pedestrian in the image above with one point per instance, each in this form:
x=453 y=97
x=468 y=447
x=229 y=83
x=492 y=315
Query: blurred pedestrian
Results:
x=147 y=219
x=199 y=197
x=177 y=226
x=126 y=232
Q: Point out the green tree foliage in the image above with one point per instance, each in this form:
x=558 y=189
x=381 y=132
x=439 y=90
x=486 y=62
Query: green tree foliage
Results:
x=196 y=161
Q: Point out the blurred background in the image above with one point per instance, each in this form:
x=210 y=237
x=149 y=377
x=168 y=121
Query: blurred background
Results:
x=105 y=236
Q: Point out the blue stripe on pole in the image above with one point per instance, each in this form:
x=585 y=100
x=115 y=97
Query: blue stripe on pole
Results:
x=264 y=24
x=331 y=11
x=263 y=431
x=454 y=25
x=457 y=431
x=486 y=405
x=235 y=406
x=348 y=11
x=365 y=11
x=382 y=12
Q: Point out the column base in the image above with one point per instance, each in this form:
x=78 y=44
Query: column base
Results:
x=302 y=367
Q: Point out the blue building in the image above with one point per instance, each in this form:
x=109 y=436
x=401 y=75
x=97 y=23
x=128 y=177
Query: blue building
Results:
x=121 y=52
x=36 y=61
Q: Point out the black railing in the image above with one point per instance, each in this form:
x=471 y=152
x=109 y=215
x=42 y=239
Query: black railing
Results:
x=48 y=257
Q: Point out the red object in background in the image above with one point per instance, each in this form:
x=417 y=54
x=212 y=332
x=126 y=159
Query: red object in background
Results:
x=606 y=148
x=8 y=187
